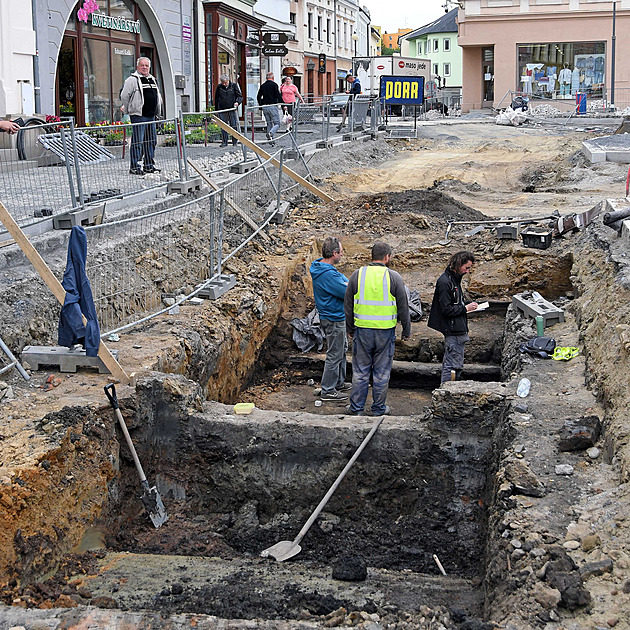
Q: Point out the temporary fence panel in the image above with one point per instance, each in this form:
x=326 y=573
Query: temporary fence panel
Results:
x=134 y=262
x=309 y=122
x=202 y=139
x=35 y=183
x=101 y=180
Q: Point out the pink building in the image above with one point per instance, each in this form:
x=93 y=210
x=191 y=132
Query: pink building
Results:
x=549 y=50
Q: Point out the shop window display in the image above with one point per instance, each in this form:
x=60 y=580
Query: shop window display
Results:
x=561 y=70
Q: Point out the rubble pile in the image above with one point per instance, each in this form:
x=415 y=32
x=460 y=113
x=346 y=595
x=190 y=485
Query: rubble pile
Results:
x=545 y=110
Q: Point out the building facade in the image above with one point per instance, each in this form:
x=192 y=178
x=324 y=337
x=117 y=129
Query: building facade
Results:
x=86 y=51
x=437 y=41
x=549 y=50
x=390 y=40
x=347 y=39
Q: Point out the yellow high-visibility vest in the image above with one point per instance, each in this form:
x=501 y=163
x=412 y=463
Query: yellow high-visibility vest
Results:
x=374 y=305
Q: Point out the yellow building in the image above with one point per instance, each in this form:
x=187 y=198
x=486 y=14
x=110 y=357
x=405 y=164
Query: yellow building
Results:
x=390 y=40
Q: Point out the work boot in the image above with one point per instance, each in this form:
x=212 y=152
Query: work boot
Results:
x=353 y=413
x=334 y=395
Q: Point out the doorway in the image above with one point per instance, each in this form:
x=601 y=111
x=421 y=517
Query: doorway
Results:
x=67 y=78
x=487 y=57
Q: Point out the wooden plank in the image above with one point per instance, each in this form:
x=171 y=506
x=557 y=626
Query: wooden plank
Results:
x=230 y=203
x=285 y=169
x=55 y=286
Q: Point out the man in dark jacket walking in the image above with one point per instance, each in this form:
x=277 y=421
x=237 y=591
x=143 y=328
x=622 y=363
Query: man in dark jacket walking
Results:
x=268 y=97
x=329 y=289
x=449 y=313
x=227 y=96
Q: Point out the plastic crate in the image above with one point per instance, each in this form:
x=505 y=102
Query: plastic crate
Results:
x=540 y=238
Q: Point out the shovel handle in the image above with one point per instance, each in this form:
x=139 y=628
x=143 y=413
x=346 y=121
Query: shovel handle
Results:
x=110 y=392
x=342 y=474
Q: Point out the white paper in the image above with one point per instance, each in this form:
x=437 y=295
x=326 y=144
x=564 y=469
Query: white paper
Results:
x=481 y=307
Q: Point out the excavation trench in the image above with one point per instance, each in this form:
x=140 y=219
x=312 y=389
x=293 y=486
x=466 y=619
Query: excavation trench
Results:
x=236 y=485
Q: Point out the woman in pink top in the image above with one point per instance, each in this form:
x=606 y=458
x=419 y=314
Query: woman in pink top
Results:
x=289 y=94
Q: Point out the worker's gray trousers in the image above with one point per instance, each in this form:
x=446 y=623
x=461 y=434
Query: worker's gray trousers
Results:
x=454 y=346
x=335 y=366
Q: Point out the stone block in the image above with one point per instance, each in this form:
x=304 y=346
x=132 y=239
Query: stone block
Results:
x=279 y=216
x=324 y=144
x=218 y=286
x=243 y=167
x=508 y=231
x=183 y=188
x=91 y=215
x=578 y=434
x=68 y=360
x=348 y=137
x=534 y=305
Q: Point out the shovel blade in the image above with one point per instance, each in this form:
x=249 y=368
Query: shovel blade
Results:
x=282 y=550
x=153 y=504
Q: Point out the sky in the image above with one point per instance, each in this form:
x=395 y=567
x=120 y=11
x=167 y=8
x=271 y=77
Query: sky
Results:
x=394 y=14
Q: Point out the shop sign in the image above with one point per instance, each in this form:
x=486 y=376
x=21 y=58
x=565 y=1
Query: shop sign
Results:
x=289 y=72
x=186 y=29
x=275 y=51
x=402 y=90
x=341 y=74
x=278 y=38
x=123 y=51
x=115 y=23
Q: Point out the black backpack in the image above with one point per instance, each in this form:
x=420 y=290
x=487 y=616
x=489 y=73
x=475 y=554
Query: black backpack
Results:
x=539 y=346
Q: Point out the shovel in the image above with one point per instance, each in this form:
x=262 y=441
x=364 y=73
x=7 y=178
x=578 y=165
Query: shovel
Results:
x=286 y=549
x=150 y=496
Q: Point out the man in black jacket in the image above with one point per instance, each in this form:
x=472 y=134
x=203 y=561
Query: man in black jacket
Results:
x=227 y=96
x=449 y=313
x=268 y=97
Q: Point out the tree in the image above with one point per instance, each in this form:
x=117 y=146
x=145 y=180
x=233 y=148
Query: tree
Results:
x=388 y=52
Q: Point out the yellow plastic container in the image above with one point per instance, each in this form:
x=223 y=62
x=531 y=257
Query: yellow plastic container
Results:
x=242 y=409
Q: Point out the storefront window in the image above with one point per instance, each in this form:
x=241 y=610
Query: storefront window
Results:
x=123 y=64
x=561 y=70
x=252 y=73
x=227 y=57
x=96 y=90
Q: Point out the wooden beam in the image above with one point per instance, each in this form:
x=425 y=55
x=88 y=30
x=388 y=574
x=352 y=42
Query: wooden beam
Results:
x=230 y=203
x=55 y=286
x=285 y=169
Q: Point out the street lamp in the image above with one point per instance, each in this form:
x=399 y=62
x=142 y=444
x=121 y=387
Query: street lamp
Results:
x=355 y=39
x=310 y=65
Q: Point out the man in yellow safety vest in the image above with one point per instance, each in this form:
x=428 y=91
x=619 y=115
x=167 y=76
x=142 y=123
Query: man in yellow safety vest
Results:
x=375 y=300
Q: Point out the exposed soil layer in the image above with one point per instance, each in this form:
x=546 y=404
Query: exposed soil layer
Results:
x=553 y=548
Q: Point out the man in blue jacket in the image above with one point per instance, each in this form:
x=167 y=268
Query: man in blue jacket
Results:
x=329 y=288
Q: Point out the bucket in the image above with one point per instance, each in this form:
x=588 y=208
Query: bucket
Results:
x=580 y=102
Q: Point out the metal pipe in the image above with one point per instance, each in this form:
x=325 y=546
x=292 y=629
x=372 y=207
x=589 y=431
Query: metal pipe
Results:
x=14 y=362
x=612 y=56
x=66 y=157
x=77 y=163
x=185 y=158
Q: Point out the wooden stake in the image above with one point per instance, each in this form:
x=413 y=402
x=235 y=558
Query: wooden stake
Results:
x=285 y=169
x=230 y=203
x=55 y=286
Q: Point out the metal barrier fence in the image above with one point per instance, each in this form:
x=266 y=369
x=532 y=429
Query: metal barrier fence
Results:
x=35 y=182
x=136 y=262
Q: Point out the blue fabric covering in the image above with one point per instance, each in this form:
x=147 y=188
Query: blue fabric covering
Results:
x=78 y=299
x=329 y=289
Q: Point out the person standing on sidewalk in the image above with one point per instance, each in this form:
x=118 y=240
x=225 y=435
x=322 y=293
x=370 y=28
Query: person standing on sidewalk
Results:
x=449 y=313
x=227 y=96
x=268 y=98
x=329 y=289
x=375 y=299
x=355 y=88
x=142 y=100
x=289 y=94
